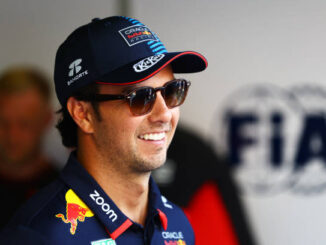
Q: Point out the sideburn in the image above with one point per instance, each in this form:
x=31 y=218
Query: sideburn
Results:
x=95 y=106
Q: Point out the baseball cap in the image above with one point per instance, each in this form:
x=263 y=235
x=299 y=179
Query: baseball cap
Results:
x=118 y=51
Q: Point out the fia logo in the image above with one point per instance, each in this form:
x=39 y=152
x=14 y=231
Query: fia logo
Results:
x=75 y=67
x=275 y=138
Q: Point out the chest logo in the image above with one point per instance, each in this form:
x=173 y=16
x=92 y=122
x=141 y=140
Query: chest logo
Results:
x=179 y=242
x=165 y=202
x=104 y=242
x=76 y=210
x=175 y=238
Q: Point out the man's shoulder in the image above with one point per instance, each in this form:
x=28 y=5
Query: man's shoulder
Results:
x=37 y=206
x=173 y=210
x=169 y=213
x=175 y=214
x=178 y=225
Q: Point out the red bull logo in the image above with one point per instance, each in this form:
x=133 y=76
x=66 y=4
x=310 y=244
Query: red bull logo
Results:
x=177 y=237
x=137 y=34
x=76 y=210
x=179 y=242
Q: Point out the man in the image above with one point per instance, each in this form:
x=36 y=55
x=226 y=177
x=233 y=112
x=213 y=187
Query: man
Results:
x=25 y=115
x=119 y=97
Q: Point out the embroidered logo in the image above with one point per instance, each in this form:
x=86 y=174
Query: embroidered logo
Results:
x=137 y=34
x=173 y=242
x=175 y=238
x=74 y=69
x=76 y=210
x=104 y=242
x=104 y=206
x=165 y=202
x=147 y=63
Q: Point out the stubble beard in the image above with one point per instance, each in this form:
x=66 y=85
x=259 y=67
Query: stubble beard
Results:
x=130 y=160
x=146 y=165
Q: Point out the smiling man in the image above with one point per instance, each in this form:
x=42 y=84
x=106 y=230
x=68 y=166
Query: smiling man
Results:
x=120 y=108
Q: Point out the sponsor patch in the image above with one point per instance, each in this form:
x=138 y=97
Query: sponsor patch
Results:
x=96 y=197
x=74 y=67
x=137 y=34
x=104 y=242
x=147 y=63
x=173 y=238
x=76 y=210
x=74 y=71
x=173 y=242
x=177 y=235
x=165 y=202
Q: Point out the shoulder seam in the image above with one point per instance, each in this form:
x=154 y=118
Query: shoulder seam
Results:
x=46 y=202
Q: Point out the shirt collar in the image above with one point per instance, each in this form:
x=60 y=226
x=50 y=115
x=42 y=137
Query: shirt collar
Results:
x=156 y=204
x=85 y=186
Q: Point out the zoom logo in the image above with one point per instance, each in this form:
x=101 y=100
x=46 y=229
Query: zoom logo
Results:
x=104 y=206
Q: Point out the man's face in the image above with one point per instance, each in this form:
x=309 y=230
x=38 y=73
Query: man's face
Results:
x=138 y=143
x=23 y=119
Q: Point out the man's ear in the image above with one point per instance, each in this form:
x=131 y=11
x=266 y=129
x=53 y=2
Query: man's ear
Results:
x=81 y=114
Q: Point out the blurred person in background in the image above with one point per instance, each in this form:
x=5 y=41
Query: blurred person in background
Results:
x=199 y=181
x=25 y=114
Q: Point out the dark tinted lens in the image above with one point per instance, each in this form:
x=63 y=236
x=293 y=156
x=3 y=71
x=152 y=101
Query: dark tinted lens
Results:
x=175 y=93
x=141 y=101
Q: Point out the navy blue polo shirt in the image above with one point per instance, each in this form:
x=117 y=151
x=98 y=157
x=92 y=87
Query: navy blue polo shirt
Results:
x=75 y=210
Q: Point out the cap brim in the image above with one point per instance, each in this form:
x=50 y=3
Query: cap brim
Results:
x=181 y=62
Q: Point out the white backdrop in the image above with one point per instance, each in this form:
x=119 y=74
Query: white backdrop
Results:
x=279 y=42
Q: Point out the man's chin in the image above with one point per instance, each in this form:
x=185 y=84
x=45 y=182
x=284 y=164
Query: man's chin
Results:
x=151 y=164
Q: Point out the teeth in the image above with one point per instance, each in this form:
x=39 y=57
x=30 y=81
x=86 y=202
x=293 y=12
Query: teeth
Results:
x=158 y=136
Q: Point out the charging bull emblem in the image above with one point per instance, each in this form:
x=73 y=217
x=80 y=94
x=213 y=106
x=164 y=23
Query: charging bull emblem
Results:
x=76 y=210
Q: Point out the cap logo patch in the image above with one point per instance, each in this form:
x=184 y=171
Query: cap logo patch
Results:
x=137 y=34
x=147 y=62
x=75 y=68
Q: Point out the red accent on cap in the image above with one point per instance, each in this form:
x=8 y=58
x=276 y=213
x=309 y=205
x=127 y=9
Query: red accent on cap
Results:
x=163 y=218
x=156 y=71
x=120 y=229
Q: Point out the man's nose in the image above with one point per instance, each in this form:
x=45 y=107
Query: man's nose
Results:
x=160 y=111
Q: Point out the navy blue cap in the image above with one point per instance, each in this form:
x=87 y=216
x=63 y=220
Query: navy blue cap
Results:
x=117 y=51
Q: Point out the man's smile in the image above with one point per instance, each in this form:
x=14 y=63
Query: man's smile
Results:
x=153 y=136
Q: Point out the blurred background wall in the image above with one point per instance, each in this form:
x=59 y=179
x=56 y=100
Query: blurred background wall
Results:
x=261 y=100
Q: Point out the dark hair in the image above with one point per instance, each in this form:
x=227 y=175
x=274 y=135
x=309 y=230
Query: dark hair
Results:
x=66 y=124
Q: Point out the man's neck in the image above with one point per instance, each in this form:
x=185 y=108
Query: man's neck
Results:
x=129 y=191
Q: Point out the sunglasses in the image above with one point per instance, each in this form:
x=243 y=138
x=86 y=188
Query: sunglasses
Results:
x=141 y=100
